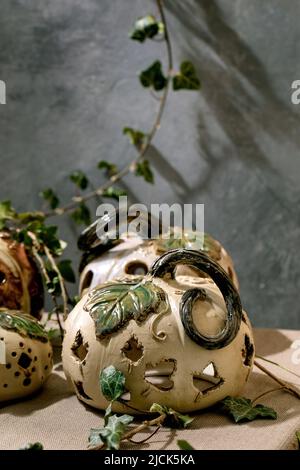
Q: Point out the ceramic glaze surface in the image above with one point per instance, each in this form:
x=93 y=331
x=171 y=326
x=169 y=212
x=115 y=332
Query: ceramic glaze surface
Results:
x=173 y=350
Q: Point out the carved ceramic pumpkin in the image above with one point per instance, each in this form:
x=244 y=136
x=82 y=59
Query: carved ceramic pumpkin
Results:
x=185 y=343
x=21 y=287
x=25 y=355
x=105 y=259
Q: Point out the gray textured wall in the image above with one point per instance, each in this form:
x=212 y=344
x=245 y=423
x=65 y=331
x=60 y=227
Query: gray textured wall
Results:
x=72 y=85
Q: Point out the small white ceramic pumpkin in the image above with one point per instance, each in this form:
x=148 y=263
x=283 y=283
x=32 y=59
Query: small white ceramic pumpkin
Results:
x=25 y=355
x=106 y=259
x=185 y=343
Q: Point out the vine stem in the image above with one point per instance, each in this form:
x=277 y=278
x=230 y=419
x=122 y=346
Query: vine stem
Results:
x=144 y=147
x=267 y=393
x=61 y=281
x=278 y=365
x=144 y=425
x=47 y=279
x=281 y=382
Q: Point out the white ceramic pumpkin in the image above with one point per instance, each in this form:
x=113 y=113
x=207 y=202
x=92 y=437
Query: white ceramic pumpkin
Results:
x=106 y=259
x=25 y=355
x=180 y=342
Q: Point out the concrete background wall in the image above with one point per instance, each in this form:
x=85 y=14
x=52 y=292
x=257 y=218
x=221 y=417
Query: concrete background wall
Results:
x=71 y=76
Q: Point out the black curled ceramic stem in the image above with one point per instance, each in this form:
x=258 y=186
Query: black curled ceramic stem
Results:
x=97 y=238
x=167 y=264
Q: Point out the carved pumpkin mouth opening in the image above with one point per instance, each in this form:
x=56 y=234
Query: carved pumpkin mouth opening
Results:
x=159 y=374
x=207 y=380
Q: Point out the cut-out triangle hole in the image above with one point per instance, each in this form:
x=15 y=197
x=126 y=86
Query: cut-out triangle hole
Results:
x=208 y=379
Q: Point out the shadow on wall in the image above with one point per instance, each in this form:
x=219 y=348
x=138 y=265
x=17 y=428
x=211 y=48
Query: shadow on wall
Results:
x=238 y=93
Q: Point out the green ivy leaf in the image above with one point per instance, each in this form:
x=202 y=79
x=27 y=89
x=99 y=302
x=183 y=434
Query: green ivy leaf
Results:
x=28 y=217
x=146 y=27
x=82 y=215
x=153 y=77
x=114 y=193
x=110 y=168
x=241 y=409
x=34 y=446
x=136 y=137
x=23 y=324
x=184 y=445
x=6 y=213
x=112 y=433
x=53 y=286
x=73 y=300
x=112 y=383
x=298 y=438
x=66 y=270
x=113 y=305
x=80 y=179
x=50 y=196
x=143 y=169
x=173 y=418
x=187 y=78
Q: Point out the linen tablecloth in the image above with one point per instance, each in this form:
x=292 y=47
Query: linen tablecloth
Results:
x=57 y=419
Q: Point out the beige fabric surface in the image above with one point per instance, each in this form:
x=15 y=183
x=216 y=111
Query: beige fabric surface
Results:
x=57 y=419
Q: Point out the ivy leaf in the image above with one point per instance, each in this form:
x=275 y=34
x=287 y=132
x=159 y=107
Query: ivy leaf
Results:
x=6 y=213
x=112 y=383
x=184 y=445
x=112 y=433
x=80 y=179
x=241 y=409
x=73 y=300
x=35 y=446
x=173 y=418
x=143 y=169
x=111 y=168
x=146 y=27
x=136 y=137
x=187 y=78
x=65 y=268
x=113 y=305
x=50 y=196
x=298 y=438
x=82 y=214
x=28 y=217
x=153 y=77
x=114 y=193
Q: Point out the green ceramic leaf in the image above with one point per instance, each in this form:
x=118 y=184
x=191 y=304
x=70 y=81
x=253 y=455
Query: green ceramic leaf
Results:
x=153 y=77
x=113 y=305
x=111 y=168
x=23 y=324
x=143 y=169
x=112 y=433
x=136 y=136
x=80 y=179
x=187 y=78
x=184 y=445
x=173 y=418
x=50 y=196
x=146 y=27
x=114 y=193
x=192 y=241
x=241 y=409
x=112 y=383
